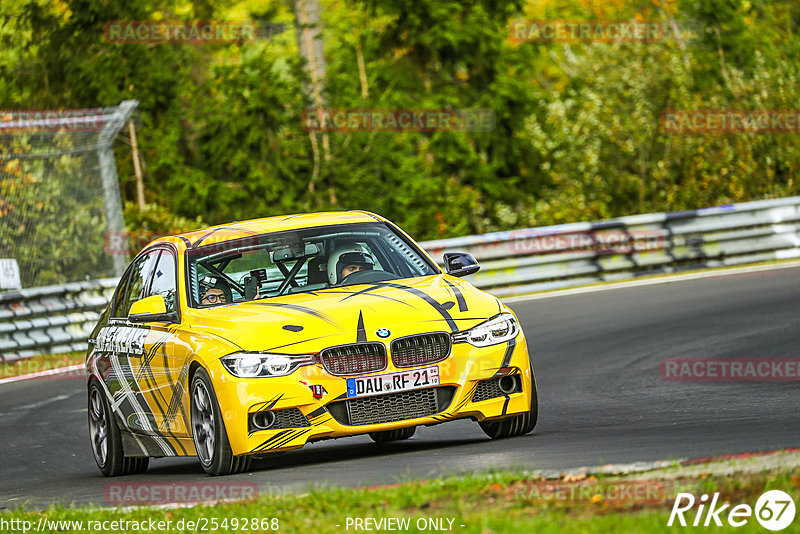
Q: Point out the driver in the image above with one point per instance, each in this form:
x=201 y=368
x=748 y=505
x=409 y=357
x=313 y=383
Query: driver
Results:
x=217 y=293
x=348 y=260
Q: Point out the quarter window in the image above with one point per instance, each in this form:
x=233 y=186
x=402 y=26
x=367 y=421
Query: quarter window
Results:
x=140 y=278
x=164 y=281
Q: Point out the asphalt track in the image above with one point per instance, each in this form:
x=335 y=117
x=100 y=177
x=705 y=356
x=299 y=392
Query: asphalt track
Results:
x=602 y=399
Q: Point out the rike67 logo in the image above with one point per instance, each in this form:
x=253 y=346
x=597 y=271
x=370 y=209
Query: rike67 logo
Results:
x=774 y=510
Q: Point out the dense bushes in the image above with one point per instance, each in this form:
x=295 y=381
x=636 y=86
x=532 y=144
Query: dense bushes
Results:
x=577 y=134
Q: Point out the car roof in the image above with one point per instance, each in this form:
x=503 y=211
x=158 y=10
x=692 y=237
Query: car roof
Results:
x=242 y=229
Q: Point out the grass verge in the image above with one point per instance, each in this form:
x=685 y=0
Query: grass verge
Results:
x=494 y=502
x=37 y=364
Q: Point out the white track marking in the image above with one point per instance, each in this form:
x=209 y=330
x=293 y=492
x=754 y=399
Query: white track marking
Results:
x=41 y=403
x=651 y=281
x=40 y=374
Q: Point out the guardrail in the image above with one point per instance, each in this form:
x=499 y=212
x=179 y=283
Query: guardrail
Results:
x=59 y=318
x=554 y=257
x=52 y=319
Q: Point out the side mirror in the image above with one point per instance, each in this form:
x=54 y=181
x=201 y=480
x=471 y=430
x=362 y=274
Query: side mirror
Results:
x=460 y=264
x=152 y=309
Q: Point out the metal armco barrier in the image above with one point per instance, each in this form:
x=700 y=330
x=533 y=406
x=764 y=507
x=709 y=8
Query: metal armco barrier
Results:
x=554 y=257
x=53 y=319
x=60 y=318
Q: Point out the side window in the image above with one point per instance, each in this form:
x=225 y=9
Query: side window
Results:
x=119 y=303
x=140 y=276
x=164 y=280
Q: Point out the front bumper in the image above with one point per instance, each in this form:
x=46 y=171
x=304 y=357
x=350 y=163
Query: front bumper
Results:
x=461 y=372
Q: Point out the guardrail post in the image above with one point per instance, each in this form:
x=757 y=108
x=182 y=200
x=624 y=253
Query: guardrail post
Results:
x=108 y=170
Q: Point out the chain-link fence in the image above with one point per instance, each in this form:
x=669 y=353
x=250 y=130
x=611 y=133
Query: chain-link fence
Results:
x=60 y=207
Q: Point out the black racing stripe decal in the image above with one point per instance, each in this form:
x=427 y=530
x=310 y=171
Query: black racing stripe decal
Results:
x=505 y=404
x=176 y=387
x=361 y=334
x=368 y=291
x=268 y=404
x=175 y=406
x=507 y=355
x=295 y=343
x=464 y=401
x=317 y=412
x=272 y=440
x=301 y=309
x=177 y=394
x=287 y=439
x=282 y=438
x=146 y=373
x=168 y=415
x=499 y=306
x=462 y=302
x=274 y=402
x=427 y=298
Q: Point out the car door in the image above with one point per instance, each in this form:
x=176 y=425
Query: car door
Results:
x=166 y=358
x=123 y=344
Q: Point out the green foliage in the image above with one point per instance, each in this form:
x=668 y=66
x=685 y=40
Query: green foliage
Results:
x=577 y=135
x=154 y=221
x=49 y=215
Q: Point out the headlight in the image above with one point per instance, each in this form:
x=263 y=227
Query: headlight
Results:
x=258 y=364
x=492 y=332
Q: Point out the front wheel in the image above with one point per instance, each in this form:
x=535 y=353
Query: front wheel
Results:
x=208 y=430
x=107 y=439
x=516 y=425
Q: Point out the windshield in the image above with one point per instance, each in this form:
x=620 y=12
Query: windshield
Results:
x=300 y=261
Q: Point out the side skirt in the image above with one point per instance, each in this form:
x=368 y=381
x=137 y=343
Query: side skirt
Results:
x=139 y=446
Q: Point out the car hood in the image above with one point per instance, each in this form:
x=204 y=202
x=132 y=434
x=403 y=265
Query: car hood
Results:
x=309 y=322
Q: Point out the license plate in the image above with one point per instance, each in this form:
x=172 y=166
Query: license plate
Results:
x=393 y=382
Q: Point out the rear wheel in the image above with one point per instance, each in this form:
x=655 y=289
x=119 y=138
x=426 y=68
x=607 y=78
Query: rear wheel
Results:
x=392 y=435
x=516 y=425
x=107 y=439
x=208 y=430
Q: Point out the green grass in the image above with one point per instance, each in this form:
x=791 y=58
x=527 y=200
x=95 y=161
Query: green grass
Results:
x=40 y=363
x=494 y=502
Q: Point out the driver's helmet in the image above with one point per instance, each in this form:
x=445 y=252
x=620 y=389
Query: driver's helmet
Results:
x=347 y=255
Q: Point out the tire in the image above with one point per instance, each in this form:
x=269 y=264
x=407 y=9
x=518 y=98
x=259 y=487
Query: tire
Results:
x=208 y=430
x=106 y=438
x=393 y=435
x=516 y=425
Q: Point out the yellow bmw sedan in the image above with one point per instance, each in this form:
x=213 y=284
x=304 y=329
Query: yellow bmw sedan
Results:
x=245 y=339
